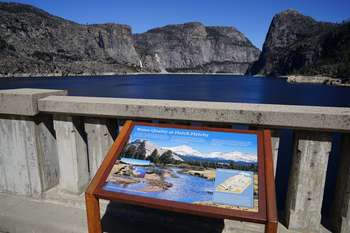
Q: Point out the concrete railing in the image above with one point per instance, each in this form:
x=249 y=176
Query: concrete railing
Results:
x=49 y=139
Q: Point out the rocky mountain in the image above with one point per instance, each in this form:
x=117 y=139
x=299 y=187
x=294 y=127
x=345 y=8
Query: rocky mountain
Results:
x=298 y=44
x=34 y=42
x=237 y=156
x=184 y=150
x=193 y=47
x=143 y=149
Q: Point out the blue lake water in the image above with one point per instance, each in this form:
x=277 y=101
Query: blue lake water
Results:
x=226 y=88
x=186 y=188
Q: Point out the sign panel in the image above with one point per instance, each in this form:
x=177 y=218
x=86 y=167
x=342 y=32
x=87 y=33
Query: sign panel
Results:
x=201 y=167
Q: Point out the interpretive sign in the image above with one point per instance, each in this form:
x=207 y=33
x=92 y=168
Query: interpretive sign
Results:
x=205 y=171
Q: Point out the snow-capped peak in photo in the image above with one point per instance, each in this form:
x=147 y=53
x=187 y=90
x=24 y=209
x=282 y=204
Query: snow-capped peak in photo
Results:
x=235 y=156
x=184 y=150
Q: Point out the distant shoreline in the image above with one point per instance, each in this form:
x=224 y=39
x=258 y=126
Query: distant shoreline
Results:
x=109 y=74
x=293 y=79
x=317 y=79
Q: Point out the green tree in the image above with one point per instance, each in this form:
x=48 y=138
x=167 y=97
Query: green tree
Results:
x=141 y=151
x=154 y=157
x=129 y=151
x=166 y=157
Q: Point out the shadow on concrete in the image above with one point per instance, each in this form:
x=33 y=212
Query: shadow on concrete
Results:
x=128 y=218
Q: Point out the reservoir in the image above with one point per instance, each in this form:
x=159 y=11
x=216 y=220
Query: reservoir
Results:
x=222 y=88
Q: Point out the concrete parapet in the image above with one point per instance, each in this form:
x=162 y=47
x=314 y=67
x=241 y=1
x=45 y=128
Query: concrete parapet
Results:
x=288 y=116
x=28 y=152
x=307 y=180
x=24 y=101
x=28 y=155
x=72 y=153
x=34 y=157
x=100 y=137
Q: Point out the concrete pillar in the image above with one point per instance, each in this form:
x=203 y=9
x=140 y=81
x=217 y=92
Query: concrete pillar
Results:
x=47 y=148
x=100 y=136
x=19 y=156
x=72 y=154
x=307 y=180
x=341 y=204
x=28 y=154
x=275 y=141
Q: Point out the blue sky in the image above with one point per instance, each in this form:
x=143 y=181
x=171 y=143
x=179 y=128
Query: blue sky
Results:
x=252 y=17
x=204 y=141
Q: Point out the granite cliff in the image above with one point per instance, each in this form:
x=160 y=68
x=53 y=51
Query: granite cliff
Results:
x=193 y=47
x=298 y=44
x=33 y=42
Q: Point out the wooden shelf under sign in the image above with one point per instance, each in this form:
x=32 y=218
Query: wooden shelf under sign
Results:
x=231 y=172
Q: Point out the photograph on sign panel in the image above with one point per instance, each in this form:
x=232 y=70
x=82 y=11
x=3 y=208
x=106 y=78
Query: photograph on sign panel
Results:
x=193 y=166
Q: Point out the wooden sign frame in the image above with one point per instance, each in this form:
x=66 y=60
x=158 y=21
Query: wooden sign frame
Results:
x=267 y=211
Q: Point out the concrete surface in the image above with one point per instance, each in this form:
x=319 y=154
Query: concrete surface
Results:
x=275 y=144
x=24 y=101
x=30 y=162
x=59 y=215
x=341 y=210
x=101 y=134
x=72 y=154
x=28 y=157
x=289 y=116
x=23 y=215
x=307 y=180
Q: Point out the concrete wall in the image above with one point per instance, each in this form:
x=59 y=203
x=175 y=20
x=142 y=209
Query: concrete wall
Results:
x=263 y=115
x=48 y=139
x=72 y=154
x=101 y=134
x=307 y=180
x=28 y=154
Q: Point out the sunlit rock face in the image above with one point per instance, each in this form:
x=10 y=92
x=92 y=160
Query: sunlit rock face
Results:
x=193 y=47
x=298 y=44
x=35 y=42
